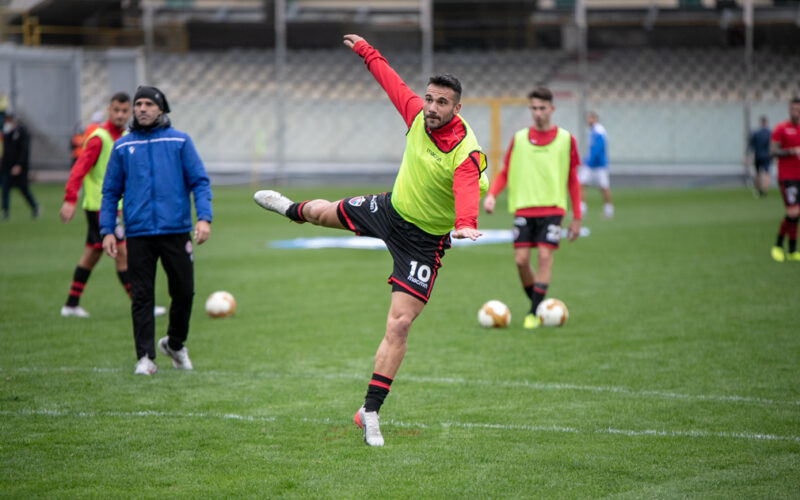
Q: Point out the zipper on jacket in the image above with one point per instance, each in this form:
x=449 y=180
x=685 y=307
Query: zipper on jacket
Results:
x=152 y=180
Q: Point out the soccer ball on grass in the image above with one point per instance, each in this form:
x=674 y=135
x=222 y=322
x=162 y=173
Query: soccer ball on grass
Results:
x=220 y=304
x=552 y=312
x=494 y=314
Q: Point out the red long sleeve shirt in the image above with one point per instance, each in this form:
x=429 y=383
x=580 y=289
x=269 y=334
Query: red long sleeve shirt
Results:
x=574 y=187
x=466 y=189
x=86 y=161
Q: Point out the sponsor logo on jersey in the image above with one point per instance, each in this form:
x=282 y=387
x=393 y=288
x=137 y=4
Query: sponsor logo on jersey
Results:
x=434 y=154
x=358 y=201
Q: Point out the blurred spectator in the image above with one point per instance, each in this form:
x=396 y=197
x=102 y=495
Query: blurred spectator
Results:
x=594 y=171
x=759 y=147
x=82 y=134
x=14 y=172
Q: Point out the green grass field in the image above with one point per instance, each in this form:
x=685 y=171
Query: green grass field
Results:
x=676 y=376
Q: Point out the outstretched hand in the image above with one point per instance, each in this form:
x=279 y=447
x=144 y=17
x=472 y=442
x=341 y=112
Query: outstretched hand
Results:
x=352 y=39
x=466 y=232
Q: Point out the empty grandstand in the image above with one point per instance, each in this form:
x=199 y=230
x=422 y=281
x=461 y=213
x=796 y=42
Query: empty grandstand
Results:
x=254 y=81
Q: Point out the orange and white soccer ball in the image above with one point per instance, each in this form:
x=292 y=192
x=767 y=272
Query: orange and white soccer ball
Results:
x=494 y=314
x=220 y=304
x=552 y=312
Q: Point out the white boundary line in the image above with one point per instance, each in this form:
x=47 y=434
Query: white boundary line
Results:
x=462 y=425
x=539 y=386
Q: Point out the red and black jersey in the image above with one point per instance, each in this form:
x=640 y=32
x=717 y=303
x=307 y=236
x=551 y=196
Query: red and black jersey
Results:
x=787 y=135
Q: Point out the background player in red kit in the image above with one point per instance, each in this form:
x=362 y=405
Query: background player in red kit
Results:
x=88 y=172
x=785 y=145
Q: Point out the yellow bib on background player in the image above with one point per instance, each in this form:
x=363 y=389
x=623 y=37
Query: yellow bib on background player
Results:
x=537 y=175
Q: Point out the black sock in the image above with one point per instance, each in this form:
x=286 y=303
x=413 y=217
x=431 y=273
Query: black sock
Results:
x=791 y=230
x=539 y=291
x=79 y=279
x=295 y=211
x=377 y=391
x=125 y=280
x=528 y=291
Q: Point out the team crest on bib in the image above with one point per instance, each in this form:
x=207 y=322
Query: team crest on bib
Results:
x=358 y=201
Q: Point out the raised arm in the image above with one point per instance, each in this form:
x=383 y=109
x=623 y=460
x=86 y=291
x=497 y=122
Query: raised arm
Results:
x=407 y=103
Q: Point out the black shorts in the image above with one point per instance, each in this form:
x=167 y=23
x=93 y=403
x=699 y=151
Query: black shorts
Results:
x=790 y=190
x=537 y=231
x=762 y=165
x=93 y=237
x=417 y=255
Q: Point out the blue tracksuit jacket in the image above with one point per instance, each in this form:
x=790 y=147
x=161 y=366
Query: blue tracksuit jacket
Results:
x=154 y=171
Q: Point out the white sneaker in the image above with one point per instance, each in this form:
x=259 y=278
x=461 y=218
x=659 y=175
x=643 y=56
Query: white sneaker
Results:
x=368 y=420
x=180 y=358
x=76 y=311
x=272 y=200
x=145 y=366
x=608 y=210
x=159 y=311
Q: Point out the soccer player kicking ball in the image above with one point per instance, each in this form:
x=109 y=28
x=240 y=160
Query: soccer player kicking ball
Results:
x=540 y=168
x=785 y=145
x=438 y=187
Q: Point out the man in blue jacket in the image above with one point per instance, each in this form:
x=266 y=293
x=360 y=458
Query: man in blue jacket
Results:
x=156 y=168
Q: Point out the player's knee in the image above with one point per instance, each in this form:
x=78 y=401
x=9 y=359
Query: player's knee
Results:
x=522 y=261
x=793 y=211
x=545 y=261
x=397 y=326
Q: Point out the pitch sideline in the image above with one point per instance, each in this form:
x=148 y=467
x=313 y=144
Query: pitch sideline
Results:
x=542 y=386
x=692 y=433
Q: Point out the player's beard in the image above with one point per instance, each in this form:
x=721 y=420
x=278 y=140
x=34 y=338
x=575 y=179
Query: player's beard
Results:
x=438 y=121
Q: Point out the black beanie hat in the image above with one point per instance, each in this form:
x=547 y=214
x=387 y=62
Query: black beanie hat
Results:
x=153 y=94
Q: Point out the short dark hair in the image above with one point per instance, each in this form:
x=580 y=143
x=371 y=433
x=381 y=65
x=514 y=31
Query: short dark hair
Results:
x=121 y=97
x=542 y=93
x=795 y=100
x=447 y=80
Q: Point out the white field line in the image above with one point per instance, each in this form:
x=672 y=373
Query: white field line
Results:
x=415 y=425
x=538 y=386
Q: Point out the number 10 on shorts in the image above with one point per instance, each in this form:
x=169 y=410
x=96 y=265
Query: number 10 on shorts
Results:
x=419 y=274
